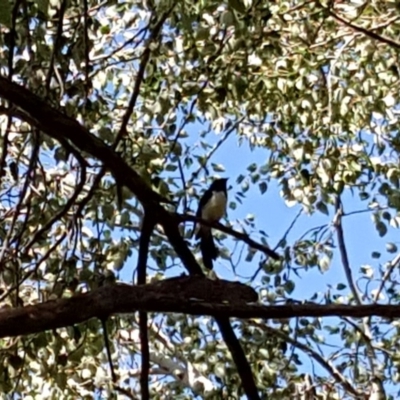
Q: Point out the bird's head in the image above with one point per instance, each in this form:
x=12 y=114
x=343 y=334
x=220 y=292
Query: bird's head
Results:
x=219 y=184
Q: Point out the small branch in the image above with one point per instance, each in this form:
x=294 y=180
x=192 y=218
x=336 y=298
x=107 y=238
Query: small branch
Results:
x=57 y=46
x=368 y=343
x=292 y=224
x=282 y=240
x=22 y=195
x=392 y=265
x=108 y=350
x=171 y=362
x=343 y=250
x=220 y=142
x=365 y=31
x=347 y=270
x=365 y=210
x=126 y=117
x=140 y=76
x=87 y=50
x=238 y=235
x=69 y=204
x=147 y=229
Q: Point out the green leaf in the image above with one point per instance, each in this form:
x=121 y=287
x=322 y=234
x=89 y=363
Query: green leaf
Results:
x=43 y=6
x=60 y=154
x=381 y=228
x=322 y=207
x=218 y=167
x=391 y=247
x=263 y=187
x=5 y=13
x=364 y=195
x=250 y=217
x=227 y=18
x=304 y=322
x=237 y=5
x=240 y=178
x=220 y=370
x=324 y=263
x=252 y=167
x=245 y=186
x=289 y=286
x=108 y=211
x=171 y=167
x=105 y=29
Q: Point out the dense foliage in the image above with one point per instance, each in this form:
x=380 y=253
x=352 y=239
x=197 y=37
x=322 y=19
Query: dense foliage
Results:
x=170 y=86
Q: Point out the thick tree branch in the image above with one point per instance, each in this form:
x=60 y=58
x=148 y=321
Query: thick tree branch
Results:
x=170 y=296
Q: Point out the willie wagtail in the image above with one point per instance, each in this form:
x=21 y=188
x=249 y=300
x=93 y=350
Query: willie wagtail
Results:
x=212 y=207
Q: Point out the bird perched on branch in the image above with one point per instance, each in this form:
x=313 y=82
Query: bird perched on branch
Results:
x=212 y=207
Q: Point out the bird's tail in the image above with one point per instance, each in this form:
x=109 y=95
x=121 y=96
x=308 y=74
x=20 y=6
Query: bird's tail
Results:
x=208 y=249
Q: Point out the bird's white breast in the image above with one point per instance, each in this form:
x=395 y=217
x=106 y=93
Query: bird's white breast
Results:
x=215 y=208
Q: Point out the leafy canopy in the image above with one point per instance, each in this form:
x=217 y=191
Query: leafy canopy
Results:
x=312 y=86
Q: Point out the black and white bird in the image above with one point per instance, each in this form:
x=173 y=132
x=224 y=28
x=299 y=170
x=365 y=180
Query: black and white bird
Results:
x=212 y=207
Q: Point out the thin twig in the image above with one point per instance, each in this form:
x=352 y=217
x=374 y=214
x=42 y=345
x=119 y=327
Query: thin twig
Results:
x=368 y=32
x=108 y=350
x=71 y=201
x=57 y=45
x=86 y=44
x=343 y=250
x=392 y=265
x=282 y=240
x=10 y=61
x=217 y=146
x=29 y=176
